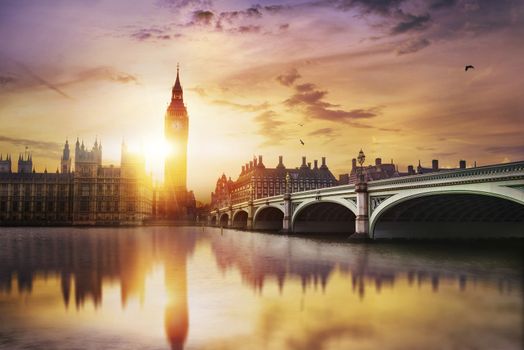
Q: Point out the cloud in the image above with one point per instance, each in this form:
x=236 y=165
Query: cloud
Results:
x=411 y=23
x=232 y=16
x=245 y=29
x=184 y=4
x=42 y=81
x=423 y=148
x=237 y=21
x=144 y=34
x=101 y=73
x=203 y=17
x=309 y=98
x=444 y=154
x=289 y=78
x=43 y=148
x=270 y=128
x=199 y=90
x=381 y=7
x=412 y=45
x=5 y=80
x=441 y=4
x=516 y=150
x=243 y=107
x=326 y=132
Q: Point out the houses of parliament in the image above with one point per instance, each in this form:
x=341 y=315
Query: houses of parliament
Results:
x=82 y=191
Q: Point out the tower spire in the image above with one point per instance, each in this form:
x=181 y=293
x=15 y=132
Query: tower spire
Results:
x=177 y=88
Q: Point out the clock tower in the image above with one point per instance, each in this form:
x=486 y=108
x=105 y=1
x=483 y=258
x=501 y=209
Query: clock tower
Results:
x=175 y=169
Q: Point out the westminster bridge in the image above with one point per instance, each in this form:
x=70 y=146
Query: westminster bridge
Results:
x=478 y=202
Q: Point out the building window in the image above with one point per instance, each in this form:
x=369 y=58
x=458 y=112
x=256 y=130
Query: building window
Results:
x=84 y=206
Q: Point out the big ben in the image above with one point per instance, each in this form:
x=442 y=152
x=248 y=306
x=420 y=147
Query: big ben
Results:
x=175 y=170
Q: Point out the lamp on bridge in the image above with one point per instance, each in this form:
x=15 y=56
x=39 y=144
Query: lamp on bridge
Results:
x=288 y=183
x=361 y=159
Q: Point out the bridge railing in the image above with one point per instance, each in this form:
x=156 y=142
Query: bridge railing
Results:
x=483 y=171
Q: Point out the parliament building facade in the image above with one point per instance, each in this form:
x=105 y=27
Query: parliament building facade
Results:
x=92 y=194
x=85 y=192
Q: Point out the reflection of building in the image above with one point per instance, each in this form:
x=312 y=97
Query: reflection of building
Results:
x=176 y=316
x=173 y=201
x=92 y=194
x=256 y=181
x=84 y=262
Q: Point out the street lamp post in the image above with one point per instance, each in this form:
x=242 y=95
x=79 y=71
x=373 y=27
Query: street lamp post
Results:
x=361 y=159
x=362 y=218
x=286 y=223
x=288 y=183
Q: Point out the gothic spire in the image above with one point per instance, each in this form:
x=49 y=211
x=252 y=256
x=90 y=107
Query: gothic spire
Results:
x=177 y=88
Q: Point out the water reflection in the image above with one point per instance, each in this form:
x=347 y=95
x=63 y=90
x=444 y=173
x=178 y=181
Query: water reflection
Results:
x=258 y=257
x=86 y=261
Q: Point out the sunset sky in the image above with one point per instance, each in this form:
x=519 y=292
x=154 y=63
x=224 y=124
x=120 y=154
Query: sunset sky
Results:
x=383 y=75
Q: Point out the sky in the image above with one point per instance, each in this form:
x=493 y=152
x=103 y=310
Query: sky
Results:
x=386 y=76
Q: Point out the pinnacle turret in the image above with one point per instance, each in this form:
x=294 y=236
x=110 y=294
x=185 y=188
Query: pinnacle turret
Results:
x=177 y=92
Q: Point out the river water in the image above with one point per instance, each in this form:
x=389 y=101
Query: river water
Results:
x=206 y=288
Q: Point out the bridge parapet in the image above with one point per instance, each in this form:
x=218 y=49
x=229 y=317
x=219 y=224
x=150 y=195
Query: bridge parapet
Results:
x=483 y=173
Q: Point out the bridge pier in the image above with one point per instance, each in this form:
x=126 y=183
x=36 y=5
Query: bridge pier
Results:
x=362 y=219
x=230 y=217
x=250 y=212
x=286 y=223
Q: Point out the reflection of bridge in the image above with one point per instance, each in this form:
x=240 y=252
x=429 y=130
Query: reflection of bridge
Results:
x=477 y=202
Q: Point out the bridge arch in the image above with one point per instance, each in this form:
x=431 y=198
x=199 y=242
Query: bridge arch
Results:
x=326 y=215
x=213 y=220
x=240 y=219
x=224 y=220
x=493 y=211
x=268 y=217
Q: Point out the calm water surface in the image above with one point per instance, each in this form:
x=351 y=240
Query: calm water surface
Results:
x=194 y=288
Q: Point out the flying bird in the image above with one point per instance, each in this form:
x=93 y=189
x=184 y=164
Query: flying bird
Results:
x=302 y=142
x=469 y=66
x=301 y=124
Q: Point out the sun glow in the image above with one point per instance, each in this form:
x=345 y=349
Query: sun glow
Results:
x=154 y=150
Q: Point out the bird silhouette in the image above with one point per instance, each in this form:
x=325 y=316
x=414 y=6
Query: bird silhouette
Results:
x=469 y=66
x=301 y=124
x=302 y=142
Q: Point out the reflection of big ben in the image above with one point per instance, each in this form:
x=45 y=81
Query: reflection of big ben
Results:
x=176 y=317
x=176 y=129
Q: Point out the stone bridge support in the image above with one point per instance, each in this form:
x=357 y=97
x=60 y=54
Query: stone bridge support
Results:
x=230 y=214
x=286 y=223
x=250 y=212
x=362 y=220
